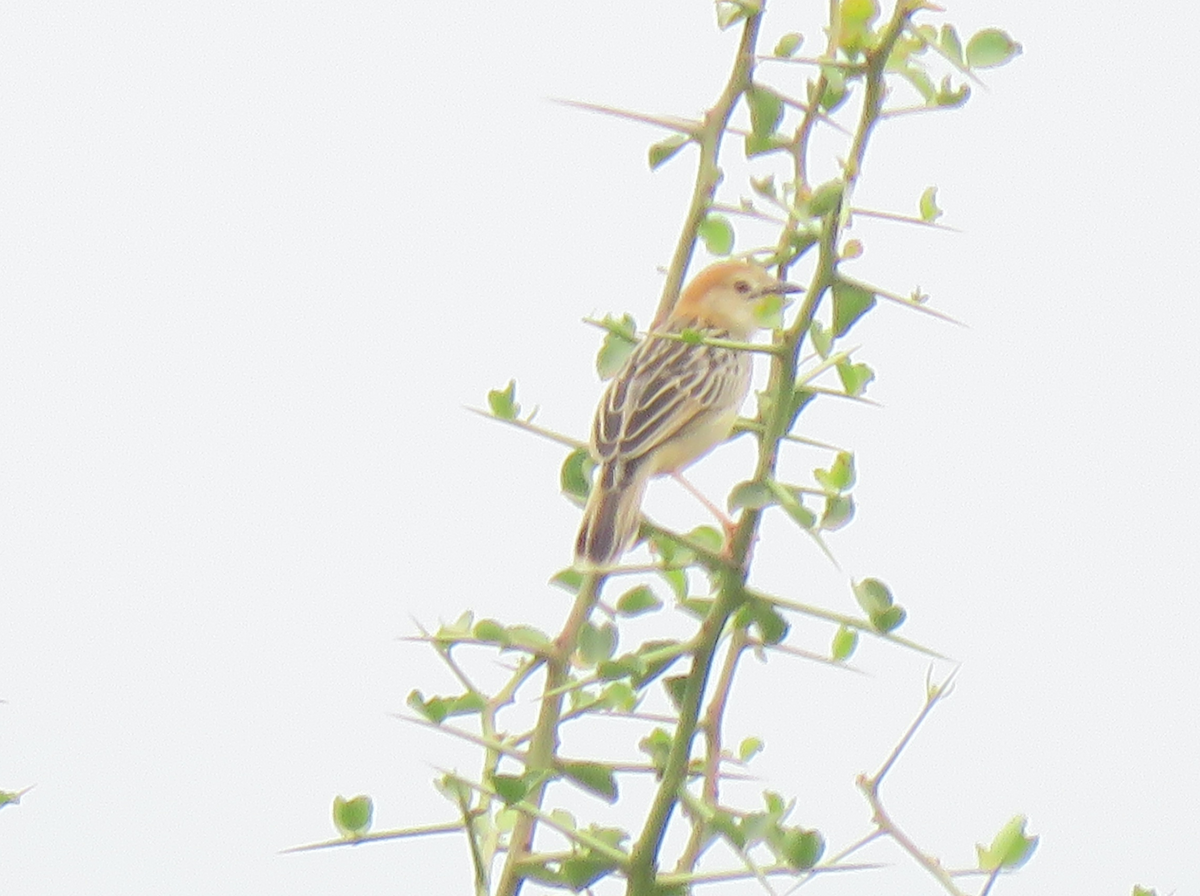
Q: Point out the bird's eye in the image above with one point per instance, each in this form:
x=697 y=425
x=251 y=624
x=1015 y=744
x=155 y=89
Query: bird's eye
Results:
x=742 y=286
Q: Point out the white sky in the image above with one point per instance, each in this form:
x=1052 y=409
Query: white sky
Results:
x=254 y=260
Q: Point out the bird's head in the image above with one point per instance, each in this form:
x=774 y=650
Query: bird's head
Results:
x=728 y=296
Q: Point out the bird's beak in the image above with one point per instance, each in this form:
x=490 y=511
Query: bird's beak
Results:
x=780 y=288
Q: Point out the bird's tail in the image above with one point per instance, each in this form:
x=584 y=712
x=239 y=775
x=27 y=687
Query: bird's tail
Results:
x=610 y=521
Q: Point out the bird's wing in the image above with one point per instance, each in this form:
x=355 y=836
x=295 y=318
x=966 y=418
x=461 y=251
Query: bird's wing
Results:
x=664 y=387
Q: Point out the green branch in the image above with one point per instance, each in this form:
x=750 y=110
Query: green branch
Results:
x=708 y=175
x=543 y=745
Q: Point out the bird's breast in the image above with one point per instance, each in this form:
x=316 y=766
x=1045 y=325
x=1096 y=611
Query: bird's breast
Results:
x=694 y=442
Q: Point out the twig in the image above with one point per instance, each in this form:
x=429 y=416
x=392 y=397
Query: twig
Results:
x=708 y=175
x=713 y=718
x=883 y=821
x=452 y=827
x=543 y=746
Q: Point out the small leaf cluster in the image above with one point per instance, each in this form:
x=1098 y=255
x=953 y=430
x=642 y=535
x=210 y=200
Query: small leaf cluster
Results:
x=1010 y=848
x=861 y=47
x=352 y=817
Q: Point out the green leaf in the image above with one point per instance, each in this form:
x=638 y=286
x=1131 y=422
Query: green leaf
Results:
x=672 y=552
x=619 y=342
x=583 y=869
x=582 y=699
x=949 y=97
x=764 y=186
x=835 y=91
x=707 y=537
x=756 y=826
x=619 y=696
x=914 y=43
x=776 y=807
x=840 y=475
x=950 y=44
x=854 y=35
x=926 y=34
x=729 y=12
x=800 y=848
x=854 y=377
x=792 y=505
x=491 y=631
x=468 y=703
x=754 y=145
x=575 y=477
x=922 y=82
x=503 y=401
x=766 y=110
x=768 y=311
x=825 y=198
x=717 y=233
x=859 y=12
x=749 y=748
x=751 y=495
x=725 y=824
x=613 y=837
x=657 y=745
x=506 y=820
x=626 y=666
x=438 y=709
x=928 y=205
x=800 y=241
x=532 y=639
x=677 y=580
x=453 y=788
x=787 y=45
x=433 y=710
x=822 y=339
x=664 y=149
x=799 y=401
x=568 y=579
x=872 y=595
x=461 y=627
x=991 y=47
x=772 y=627
x=637 y=601
x=593 y=777
x=1143 y=891
x=676 y=685
x=597 y=642
x=850 y=302
x=1010 y=848
x=839 y=510
x=845 y=640
x=352 y=817
x=889 y=619
x=649 y=661
x=510 y=788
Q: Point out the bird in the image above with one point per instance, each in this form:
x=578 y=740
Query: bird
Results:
x=672 y=402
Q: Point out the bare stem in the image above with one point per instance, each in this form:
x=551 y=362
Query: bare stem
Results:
x=713 y=719
x=883 y=821
x=543 y=745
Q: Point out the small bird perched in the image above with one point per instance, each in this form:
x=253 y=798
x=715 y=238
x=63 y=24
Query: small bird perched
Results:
x=672 y=402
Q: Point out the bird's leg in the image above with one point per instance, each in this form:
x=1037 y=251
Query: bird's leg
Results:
x=727 y=524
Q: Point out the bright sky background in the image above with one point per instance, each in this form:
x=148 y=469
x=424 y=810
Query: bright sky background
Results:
x=256 y=258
